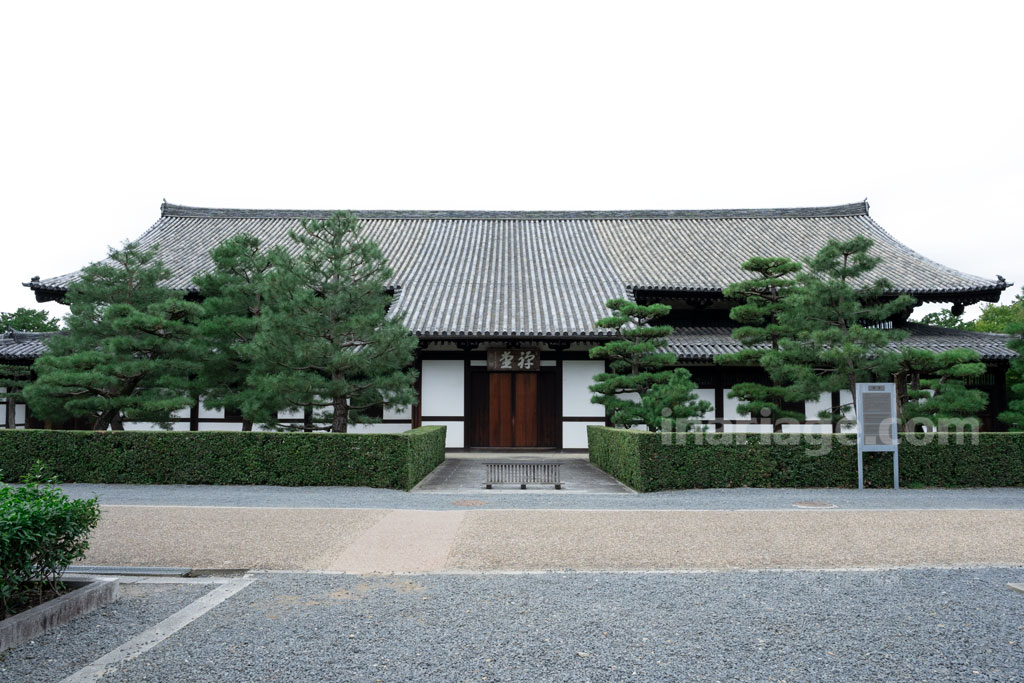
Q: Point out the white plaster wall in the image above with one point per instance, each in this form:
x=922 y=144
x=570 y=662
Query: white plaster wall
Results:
x=221 y=426
x=184 y=412
x=846 y=397
x=454 y=436
x=577 y=376
x=154 y=427
x=443 y=386
x=574 y=434
x=209 y=412
x=380 y=428
x=812 y=408
x=806 y=429
x=403 y=413
x=709 y=396
x=729 y=411
x=19 y=414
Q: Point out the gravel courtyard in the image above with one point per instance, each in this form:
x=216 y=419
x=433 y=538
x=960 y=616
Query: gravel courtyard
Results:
x=739 y=584
x=897 y=625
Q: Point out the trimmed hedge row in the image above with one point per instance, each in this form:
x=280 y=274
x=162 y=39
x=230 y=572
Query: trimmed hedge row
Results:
x=396 y=461
x=708 y=460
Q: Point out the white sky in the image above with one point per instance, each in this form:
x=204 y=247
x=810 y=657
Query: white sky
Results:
x=107 y=109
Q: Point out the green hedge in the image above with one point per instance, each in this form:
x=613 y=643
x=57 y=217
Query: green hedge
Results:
x=708 y=460
x=396 y=461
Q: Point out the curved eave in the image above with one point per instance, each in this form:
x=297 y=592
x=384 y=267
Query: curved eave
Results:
x=516 y=336
x=966 y=295
x=44 y=293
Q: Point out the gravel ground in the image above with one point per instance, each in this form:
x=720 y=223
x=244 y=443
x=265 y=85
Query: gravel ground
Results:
x=226 y=538
x=699 y=499
x=846 y=626
x=607 y=540
x=420 y=541
x=63 y=651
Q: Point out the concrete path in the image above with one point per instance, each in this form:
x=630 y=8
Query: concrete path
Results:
x=361 y=541
x=357 y=497
x=463 y=473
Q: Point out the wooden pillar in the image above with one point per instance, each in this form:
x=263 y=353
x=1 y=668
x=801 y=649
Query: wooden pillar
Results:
x=417 y=408
x=719 y=400
x=835 y=409
x=10 y=411
x=997 y=401
x=607 y=417
x=560 y=424
x=467 y=429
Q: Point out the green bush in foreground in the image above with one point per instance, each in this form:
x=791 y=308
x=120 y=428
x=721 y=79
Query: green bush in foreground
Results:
x=708 y=460
x=396 y=461
x=42 y=531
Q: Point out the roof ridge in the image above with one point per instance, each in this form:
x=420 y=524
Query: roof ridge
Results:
x=855 y=209
x=956 y=330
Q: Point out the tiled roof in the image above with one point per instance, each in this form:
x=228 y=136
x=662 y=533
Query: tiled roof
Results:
x=545 y=273
x=23 y=345
x=689 y=343
x=704 y=343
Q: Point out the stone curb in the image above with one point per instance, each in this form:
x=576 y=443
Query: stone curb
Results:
x=88 y=594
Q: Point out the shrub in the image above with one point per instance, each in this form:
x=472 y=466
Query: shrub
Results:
x=42 y=531
x=642 y=461
x=395 y=461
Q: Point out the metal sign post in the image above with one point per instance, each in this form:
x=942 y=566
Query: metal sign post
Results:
x=876 y=426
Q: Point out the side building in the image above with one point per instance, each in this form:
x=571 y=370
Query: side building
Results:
x=504 y=303
x=18 y=350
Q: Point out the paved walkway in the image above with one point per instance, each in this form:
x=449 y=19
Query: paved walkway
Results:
x=464 y=473
x=697 y=499
x=471 y=539
x=453 y=528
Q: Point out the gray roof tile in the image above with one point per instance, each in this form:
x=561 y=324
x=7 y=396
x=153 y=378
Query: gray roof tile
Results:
x=704 y=343
x=23 y=345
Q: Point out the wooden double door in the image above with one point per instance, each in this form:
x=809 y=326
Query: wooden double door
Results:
x=514 y=409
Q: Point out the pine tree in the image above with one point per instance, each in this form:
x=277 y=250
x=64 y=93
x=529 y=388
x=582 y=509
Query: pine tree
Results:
x=28 y=320
x=934 y=385
x=641 y=386
x=760 y=331
x=1014 y=415
x=232 y=304
x=835 y=324
x=946 y=318
x=325 y=341
x=999 y=319
x=125 y=355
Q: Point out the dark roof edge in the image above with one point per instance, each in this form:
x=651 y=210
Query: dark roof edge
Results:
x=972 y=294
x=857 y=209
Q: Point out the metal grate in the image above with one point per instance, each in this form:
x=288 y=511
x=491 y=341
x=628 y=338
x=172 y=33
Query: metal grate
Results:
x=523 y=473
